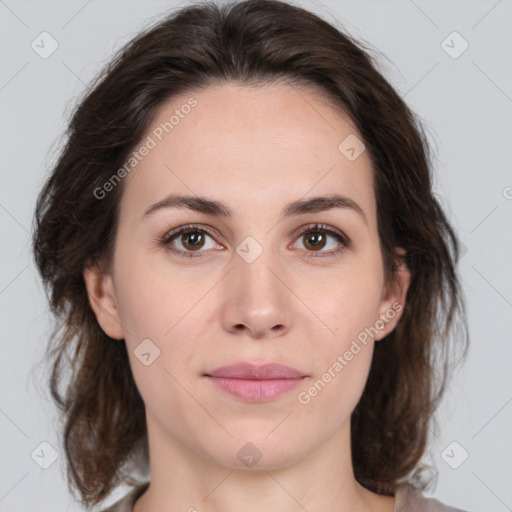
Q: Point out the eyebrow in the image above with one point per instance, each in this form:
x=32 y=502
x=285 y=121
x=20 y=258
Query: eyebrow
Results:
x=219 y=209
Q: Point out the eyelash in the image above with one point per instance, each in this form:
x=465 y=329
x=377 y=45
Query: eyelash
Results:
x=193 y=228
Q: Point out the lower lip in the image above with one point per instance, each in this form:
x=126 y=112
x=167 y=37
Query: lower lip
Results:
x=255 y=390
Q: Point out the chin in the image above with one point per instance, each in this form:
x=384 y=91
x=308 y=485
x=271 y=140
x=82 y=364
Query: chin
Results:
x=256 y=451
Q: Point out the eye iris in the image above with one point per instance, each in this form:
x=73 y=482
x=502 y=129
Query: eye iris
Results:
x=316 y=237
x=197 y=240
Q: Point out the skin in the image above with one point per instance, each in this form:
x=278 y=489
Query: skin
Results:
x=255 y=149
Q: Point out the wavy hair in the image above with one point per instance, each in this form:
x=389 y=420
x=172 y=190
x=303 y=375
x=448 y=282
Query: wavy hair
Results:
x=253 y=42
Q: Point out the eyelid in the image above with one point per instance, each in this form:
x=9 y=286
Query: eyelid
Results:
x=189 y=227
x=331 y=230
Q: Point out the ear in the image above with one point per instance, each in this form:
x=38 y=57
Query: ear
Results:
x=393 y=298
x=100 y=290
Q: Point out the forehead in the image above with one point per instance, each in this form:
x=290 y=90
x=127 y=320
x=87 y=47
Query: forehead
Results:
x=253 y=147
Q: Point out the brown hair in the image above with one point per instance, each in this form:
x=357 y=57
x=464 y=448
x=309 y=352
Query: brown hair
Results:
x=253 y=42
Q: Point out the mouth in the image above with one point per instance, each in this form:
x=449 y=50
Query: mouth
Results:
x=256 y=383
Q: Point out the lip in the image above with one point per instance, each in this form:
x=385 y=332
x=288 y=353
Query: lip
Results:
x=256 y=383
x=256 y=372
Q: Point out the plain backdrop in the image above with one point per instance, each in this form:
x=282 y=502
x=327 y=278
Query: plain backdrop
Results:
x=451 y=62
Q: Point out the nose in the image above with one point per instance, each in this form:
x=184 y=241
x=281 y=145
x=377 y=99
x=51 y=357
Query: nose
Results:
x=256 y=298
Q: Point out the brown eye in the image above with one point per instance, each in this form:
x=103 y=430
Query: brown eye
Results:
x=188 y=241
x=315 y=241
x=316 y=238
x=192 y=240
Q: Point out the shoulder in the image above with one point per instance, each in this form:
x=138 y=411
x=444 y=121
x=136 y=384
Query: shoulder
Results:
x=407 y=499
x=411 y=499
x=126 y=503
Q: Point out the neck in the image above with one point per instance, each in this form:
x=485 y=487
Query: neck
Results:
x=184 y=479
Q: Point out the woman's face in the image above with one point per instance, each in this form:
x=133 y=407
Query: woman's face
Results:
x=250 y=288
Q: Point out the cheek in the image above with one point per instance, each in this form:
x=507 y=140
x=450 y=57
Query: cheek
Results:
x=342 y=370
x=331 y=397
x=348 y=307
x=349 y=304
x=147 y=302
x=344 y=351
x=158 y=308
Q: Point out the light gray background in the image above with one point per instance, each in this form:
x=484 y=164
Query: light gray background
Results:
x=466 y=105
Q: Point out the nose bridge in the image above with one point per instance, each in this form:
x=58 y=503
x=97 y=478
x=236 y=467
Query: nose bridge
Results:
x=257 y=267
x=256 y=297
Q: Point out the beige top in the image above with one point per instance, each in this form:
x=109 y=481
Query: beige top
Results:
x=407 y=499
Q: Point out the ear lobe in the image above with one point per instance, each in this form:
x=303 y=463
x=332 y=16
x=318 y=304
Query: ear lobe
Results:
x=100 y=290
x=393 y=299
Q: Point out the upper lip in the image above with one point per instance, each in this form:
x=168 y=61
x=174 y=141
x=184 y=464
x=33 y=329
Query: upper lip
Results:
x=250 y=371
